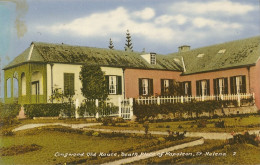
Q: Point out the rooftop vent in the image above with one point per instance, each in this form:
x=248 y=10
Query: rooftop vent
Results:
x=200 y=55
x=184 y=48
x=221 y=51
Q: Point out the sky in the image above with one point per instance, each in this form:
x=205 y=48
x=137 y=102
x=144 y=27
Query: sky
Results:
x=159 y=26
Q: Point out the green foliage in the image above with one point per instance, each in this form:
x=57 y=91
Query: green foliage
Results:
x=146 y=127
x=111 y=45
x=19 y=149
x=95 y=134
x=93 y=81
x=128 y=44
x=145 y=111
x=49 y=110
x=245 y=138
x=8 y=113
x=103 y=108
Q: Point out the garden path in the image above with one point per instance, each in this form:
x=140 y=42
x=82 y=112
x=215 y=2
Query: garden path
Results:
x=205 y=135
x=158 y=153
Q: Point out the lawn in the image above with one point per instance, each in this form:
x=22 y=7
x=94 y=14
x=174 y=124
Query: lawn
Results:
x=52 y=142
x=231 y=124
x=227 y=154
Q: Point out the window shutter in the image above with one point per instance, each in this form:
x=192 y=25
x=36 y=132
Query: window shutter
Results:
x=66 y=83
x=107 y=82
x=216 y=86
x=243 y=84
x=140 y=87
x=189 y=88
x=119 y=85
x=171 y=87
x=208 y=87
x=232 y=85
x=72 y=89
x=198 y=88
x=225 y=86
x=150 y=87
x=162 y=87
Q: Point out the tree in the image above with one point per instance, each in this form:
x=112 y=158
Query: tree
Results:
x=93 y=81
x=128 y=44
x=111 y=45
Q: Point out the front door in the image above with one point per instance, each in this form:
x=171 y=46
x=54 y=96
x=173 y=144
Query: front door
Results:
x=36 y=90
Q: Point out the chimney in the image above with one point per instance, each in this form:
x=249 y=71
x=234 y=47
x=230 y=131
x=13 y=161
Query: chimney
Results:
x=184 y=48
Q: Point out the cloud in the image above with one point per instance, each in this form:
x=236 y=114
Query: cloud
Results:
x=146 y=14
x=222 y=7
x=201 y=22
x=108 y=23
x=165 y=19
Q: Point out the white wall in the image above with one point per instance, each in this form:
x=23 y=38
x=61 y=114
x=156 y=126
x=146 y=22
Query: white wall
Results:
x=58 y=80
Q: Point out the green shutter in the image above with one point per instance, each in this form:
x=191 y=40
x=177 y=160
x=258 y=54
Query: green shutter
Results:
x=171 y=87
x=189 y=88
x=208 y=87
x=119 y=85
x=72 y=84
x=233 y=85
x=198 y=88
x=66 y=83
x=243 y=90
x=225 y=86
x=140 y=87
x=216 y=86
x=107 y=83
x=162 y=87
x=150 y=87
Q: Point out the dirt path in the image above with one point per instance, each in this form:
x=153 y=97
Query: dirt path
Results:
x=156 y=153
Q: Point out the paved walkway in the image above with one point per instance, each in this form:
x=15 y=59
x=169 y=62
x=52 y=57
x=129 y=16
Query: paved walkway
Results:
x=161 y=152
x=75 y=126
x=205 y=135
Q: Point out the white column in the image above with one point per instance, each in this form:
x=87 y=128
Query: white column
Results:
x=76 y=109
x=96 y=102
x=131 y=103
x=119 y=106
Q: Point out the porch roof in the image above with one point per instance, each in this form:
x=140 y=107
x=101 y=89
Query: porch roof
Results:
x=62 y=53
x=239 y=53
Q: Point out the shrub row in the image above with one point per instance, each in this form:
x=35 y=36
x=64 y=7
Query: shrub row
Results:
x=8 y=113
x=141 y=111
x=49 y=110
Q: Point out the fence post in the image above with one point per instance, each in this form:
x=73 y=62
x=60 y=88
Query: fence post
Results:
x=96 y=102
x=181 y=99
x=119 y=106
x=131 y=103
x=158 y=100
x=238 y=99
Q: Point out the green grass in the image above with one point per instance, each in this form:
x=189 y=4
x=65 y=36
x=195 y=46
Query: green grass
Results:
x=235 y=154
x=231 y=124
x=53 y=141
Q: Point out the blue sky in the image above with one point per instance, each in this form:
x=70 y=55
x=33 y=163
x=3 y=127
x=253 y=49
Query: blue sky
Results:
x=158 y=26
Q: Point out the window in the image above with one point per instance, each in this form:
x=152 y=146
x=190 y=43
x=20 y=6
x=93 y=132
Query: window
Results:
x=220 y=86
x=167 y=87
x=145 y=87
x=238 y=84
x=114 y=85
x=69 y=84
x=186 y=88
x=153 y=58
x=202 y=88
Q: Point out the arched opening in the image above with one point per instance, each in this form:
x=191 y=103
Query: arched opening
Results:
x=8 y=88
x=23 y=84
x=15 y=85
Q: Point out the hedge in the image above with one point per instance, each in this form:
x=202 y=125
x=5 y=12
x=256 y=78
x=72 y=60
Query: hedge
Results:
x=145 y=111
x=8 y=112
x=49 y=110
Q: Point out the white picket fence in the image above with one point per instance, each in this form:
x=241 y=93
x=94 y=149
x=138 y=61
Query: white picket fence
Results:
x=183 y=99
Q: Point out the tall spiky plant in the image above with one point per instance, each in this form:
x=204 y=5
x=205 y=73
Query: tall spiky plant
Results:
x=111 y=45
x=128 y=44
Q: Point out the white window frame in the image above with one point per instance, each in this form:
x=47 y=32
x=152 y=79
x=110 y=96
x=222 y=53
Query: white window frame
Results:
x=166 y=86
x=112 y=85
x=239 y=83
x=204 y=87
x=186 y=87
x=145 y=87
x=221 y=86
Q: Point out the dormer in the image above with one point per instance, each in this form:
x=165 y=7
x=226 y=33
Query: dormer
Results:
x=150 y=58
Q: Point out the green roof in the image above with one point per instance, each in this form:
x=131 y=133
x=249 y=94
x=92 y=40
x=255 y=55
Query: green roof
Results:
x=233 y=54
x=61 y=53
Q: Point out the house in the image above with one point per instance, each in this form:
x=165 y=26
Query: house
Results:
x=227 y=68
x=43 y=67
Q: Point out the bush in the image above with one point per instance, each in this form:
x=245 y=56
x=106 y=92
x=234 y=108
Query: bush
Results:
x=8 y=113
x=19 y=149
x=202 y=123
x=49 y=110
x=245 y=138
x=7 y=132
x=96 y=134
x=220 y=124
